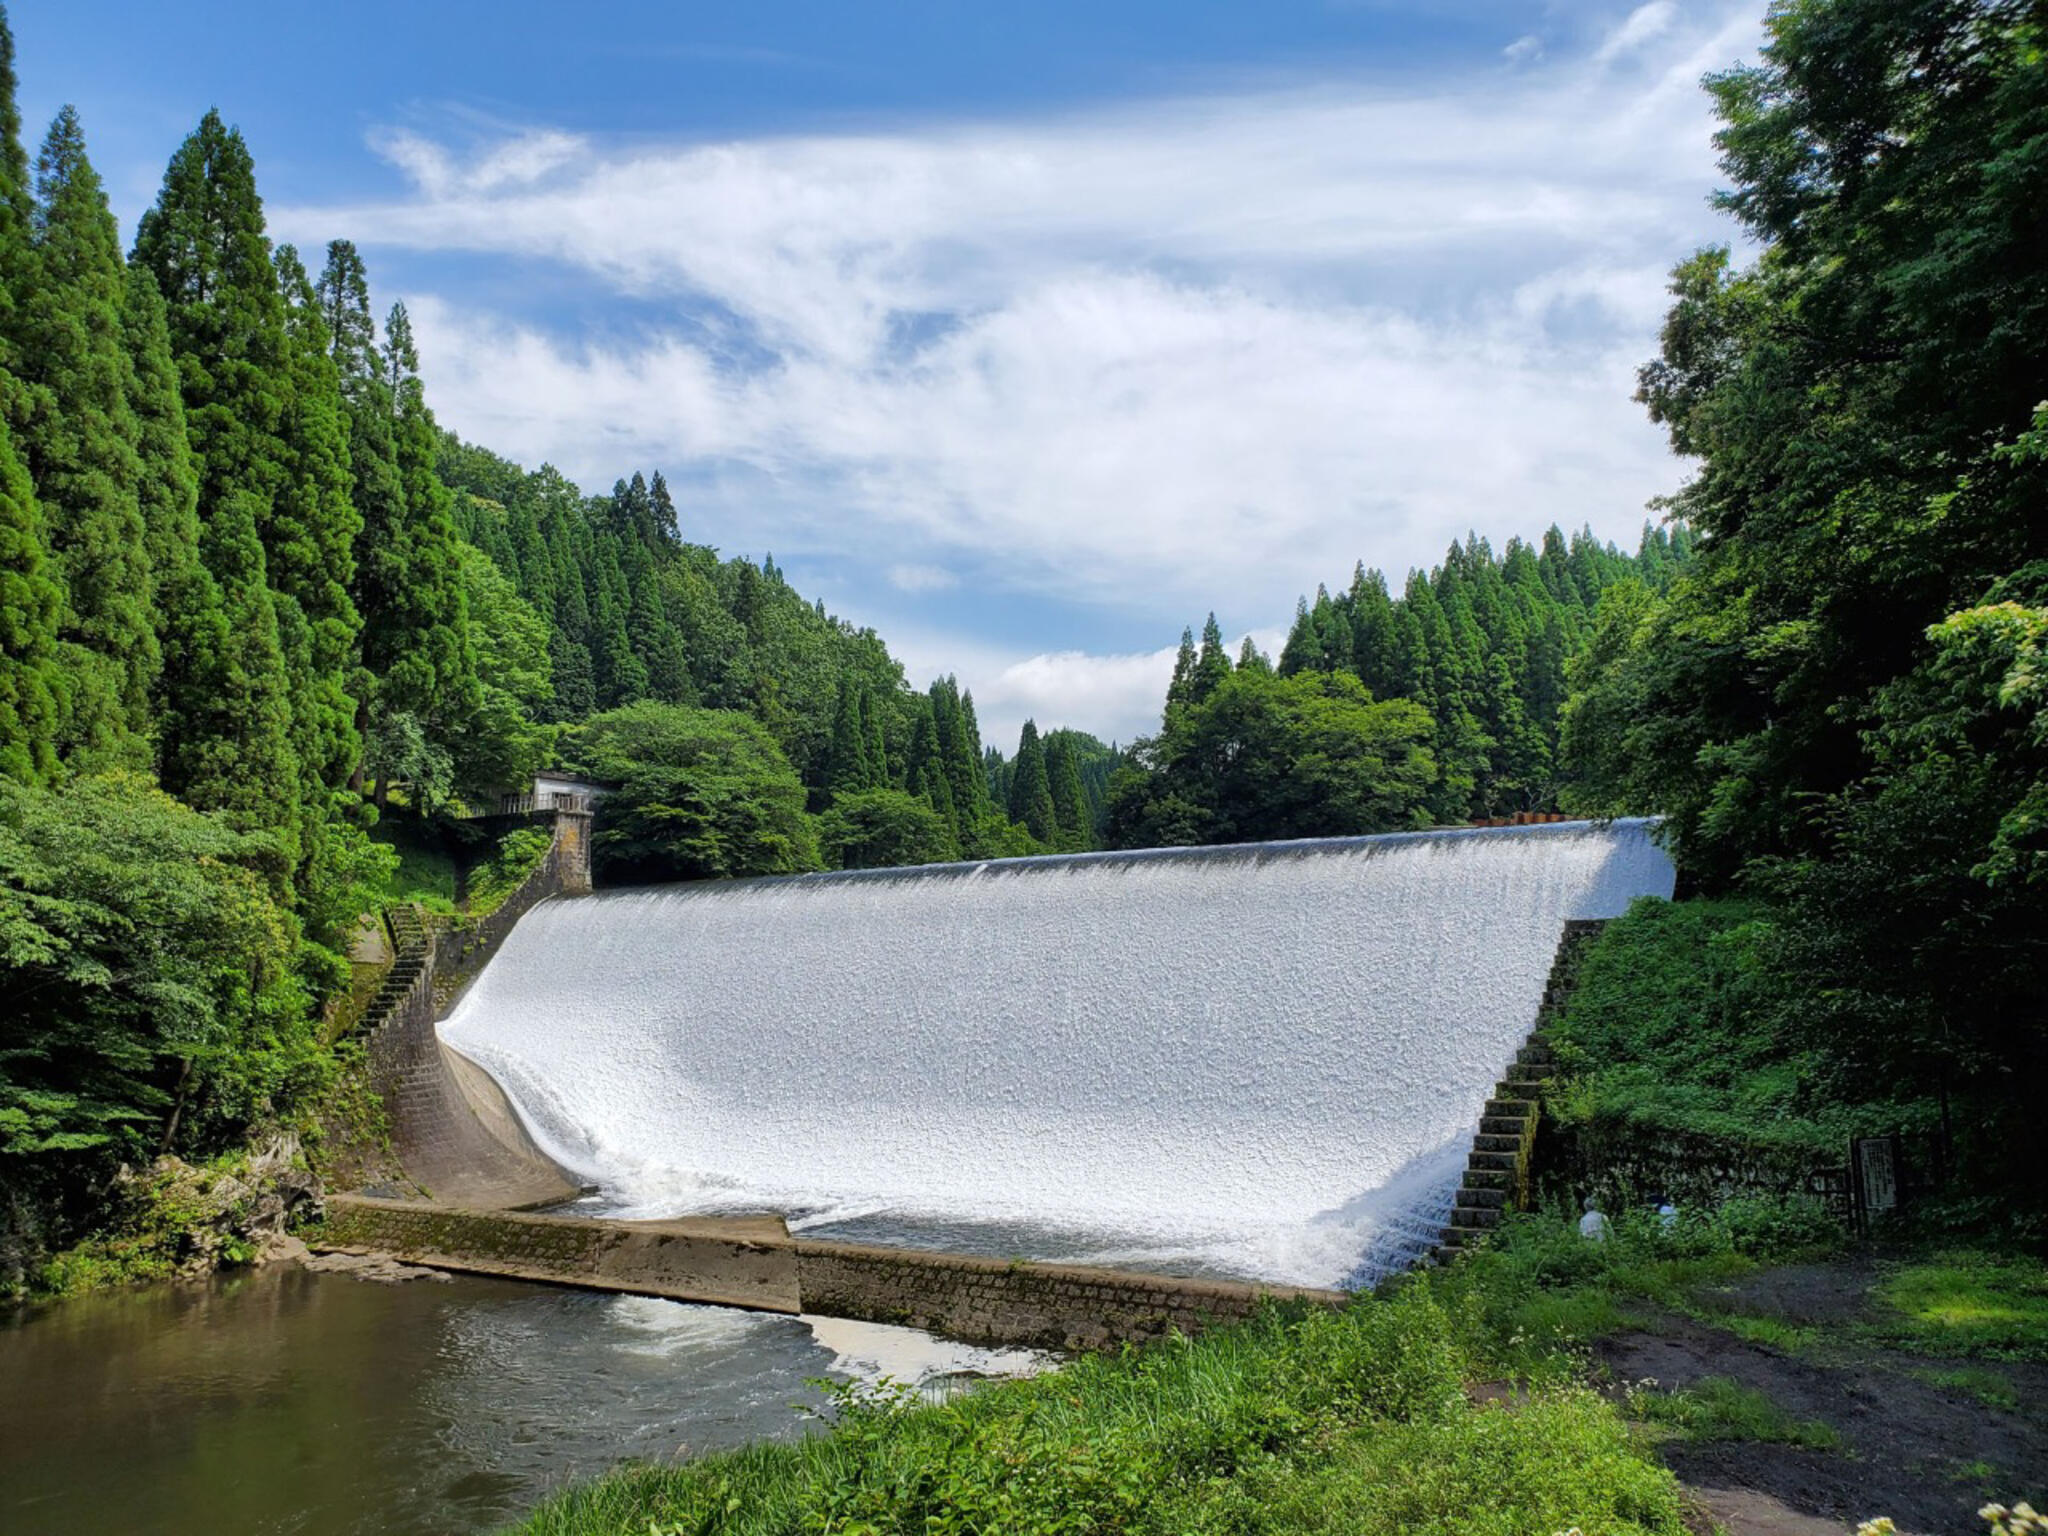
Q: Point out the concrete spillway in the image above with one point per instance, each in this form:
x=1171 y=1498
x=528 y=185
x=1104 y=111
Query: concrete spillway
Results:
x=1263 y=1061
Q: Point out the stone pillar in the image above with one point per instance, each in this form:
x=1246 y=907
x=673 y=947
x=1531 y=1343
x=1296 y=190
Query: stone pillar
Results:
x=572 y=852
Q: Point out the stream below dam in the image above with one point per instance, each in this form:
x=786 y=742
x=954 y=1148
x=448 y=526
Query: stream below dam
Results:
x=281 y=1401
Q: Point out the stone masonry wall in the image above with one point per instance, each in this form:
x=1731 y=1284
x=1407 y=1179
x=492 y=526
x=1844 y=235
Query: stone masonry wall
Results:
x=753 y=1262
x=454 y=1133
x=1044 y=1306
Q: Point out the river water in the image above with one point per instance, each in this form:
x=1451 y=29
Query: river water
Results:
x=281 y=1401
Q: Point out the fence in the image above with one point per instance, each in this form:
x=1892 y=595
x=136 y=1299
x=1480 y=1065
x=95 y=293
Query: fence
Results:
x=553 y=800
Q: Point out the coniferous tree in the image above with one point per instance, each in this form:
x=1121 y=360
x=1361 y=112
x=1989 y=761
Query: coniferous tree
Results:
x=1073 y=825
x=1302 y=649
x=204 y=242
x=1031 y=799
x=847 y=769
x=881 y=774
x=316 y=524
x=31 y=598
x=1212 y=666
x=1251 y=659
x=192 y=627
x=1180 y=690
x=381 y=559
x=29 y=603
x=428 y=670
x=663 y=510
x=78 y=437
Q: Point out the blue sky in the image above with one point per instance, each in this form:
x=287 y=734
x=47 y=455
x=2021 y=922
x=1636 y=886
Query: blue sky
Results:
x=1026 y=334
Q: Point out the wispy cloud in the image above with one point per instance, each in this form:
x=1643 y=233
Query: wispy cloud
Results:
x=922 y=578
x=1644 y=23
x=1180 y=355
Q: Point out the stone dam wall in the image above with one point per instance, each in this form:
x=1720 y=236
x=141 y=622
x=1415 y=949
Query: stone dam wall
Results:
x=455 y=1133
x=754 y=1262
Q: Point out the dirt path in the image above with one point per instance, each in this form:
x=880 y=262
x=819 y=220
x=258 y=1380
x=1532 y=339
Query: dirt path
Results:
x=1927 y=1454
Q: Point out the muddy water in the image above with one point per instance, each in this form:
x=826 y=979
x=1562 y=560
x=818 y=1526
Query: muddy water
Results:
x=282 y=1401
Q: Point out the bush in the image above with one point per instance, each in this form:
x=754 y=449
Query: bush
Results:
x=518 y=855
x=702 y=794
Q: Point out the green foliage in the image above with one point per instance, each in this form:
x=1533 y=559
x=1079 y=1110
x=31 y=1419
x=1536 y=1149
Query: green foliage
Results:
x=1964 y=1302
x=419 y=868
x=517 y=855
x=702 y=794
x=1349 y=1421
x=875 y=828
x=1683 y=1018
x=229 y=745
x=1031 y=800
x=78 y=435
x=1718 y=1408
x=1859 y=400
x=1267 y=756
x=155 y=998
x=172 y=1219
x=1544 y=1288
x=502 y=744
x=29 y=604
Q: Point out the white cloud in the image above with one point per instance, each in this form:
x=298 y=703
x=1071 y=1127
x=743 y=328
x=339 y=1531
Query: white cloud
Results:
x=1644 y=23
x=1524 y=50
x=922 y=578
x=1178 y=356
x=1114 y=696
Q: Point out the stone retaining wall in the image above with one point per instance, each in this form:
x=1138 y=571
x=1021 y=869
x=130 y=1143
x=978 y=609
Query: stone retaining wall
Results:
x=753 y=1262
x=454 y=1131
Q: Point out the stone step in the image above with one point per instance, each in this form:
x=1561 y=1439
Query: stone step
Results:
x=1470 y=1198
x=1504 y=1125
x=1491 y=1162
x=1489 y=1178
x=1495 y=1141
x=1510 y=1107
x=1482 y=1217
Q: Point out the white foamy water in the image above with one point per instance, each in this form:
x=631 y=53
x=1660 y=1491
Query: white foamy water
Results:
x=1265 y=1062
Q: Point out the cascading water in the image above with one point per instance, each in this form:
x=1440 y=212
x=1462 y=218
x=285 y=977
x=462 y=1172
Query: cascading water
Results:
x=1263 y=1061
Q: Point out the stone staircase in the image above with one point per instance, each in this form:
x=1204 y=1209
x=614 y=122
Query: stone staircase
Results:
x=409 y=944
x=1497 y=1170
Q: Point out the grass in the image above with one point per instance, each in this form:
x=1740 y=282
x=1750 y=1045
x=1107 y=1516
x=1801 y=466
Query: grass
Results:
x=1306 y=1422
x=1719 y=1408
x=1969 y=1304
x=1680 y=1040
x=517 y=855
x=1546 y=1286
x=426 y=871
x=1985 y=1385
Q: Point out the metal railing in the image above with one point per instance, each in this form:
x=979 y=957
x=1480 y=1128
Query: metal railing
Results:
x=554 y=800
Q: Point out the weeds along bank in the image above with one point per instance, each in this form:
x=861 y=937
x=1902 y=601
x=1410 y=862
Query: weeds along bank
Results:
x=1468 y=1399
x=1360 y=1421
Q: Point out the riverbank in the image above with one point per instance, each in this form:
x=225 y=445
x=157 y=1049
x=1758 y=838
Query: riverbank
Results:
x=280 y=1402
x=1510 y=1393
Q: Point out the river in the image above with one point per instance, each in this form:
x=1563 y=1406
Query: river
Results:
x=278 y=1401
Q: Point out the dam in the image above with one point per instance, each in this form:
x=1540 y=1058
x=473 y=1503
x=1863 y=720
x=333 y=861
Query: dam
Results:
x=1259 y=1063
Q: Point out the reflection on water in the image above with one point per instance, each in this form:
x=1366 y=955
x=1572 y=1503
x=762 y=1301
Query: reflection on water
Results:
x=282 y=1401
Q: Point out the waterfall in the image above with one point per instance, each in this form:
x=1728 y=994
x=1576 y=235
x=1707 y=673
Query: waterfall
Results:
x=1263 y=1061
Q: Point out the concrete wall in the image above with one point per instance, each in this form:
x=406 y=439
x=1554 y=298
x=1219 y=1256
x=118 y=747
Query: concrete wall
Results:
x=455 y=1133
x=753 y=1262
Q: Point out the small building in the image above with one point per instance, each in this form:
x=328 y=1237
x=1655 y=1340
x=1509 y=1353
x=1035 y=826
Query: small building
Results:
x=554 y=791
